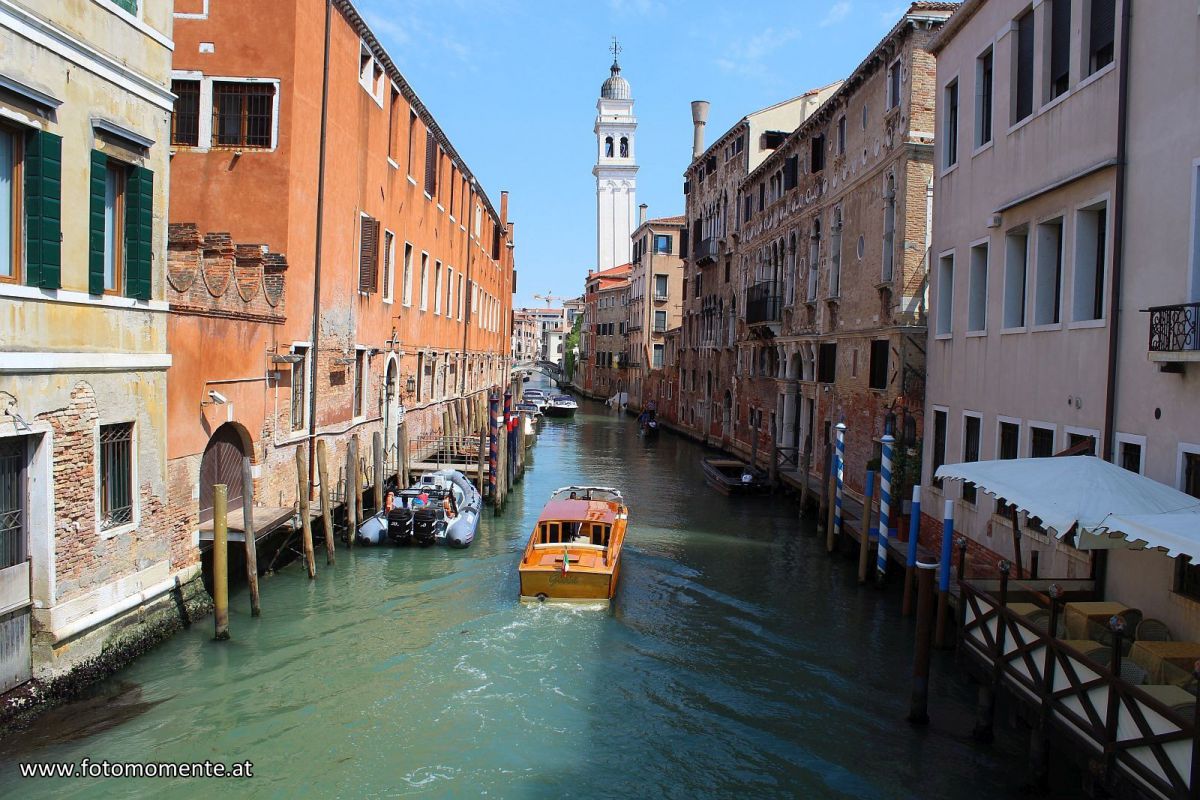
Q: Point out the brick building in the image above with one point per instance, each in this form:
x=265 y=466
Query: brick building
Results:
x=373 y=273
x=655 y=300
x=711 y=191
x=602 y=340
x=90 y=547
x=831 y=266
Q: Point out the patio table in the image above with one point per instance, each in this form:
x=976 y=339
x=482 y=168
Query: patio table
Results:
x=1090 y=649
x=1166 y=662
x=1171 y=696
x=1076 y=616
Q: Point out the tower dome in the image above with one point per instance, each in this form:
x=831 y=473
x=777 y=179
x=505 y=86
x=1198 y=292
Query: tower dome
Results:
x=616 y=87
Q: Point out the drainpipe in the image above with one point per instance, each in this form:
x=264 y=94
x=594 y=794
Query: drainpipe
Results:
x=1114 y=302
x=316 y=301
x=470 y=220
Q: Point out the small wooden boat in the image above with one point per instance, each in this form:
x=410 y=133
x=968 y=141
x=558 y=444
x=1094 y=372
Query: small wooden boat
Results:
x=574 y=552
x=730 y=476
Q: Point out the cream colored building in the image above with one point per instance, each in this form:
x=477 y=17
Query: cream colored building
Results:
x=85 y=108
x=655 y=297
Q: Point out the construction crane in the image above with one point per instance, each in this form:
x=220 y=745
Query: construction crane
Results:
x=549 y=298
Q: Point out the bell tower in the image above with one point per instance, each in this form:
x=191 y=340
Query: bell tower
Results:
x=616 y=169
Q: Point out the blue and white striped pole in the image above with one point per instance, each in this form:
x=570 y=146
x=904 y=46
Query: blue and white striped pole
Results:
x=910 y=563
x=839 y=463
x=943 y=603
x=885 y=506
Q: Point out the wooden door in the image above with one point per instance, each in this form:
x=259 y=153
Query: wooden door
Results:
x=222 y=463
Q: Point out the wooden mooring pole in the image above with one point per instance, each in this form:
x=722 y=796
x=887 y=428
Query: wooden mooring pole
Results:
x=303 y=492
x=351 y=495
x=482 y=462
x=326 y=498
x=377 y=478
x=220 y=561
x=910 y=563
x=943 y=600
x=773 y=468
x=251 y=540
x=918 y=708
x=405 y=477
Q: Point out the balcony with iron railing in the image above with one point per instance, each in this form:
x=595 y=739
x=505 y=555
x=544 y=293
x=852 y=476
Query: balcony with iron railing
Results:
x=706 y=251
x=1175 y=334
x=764 y=303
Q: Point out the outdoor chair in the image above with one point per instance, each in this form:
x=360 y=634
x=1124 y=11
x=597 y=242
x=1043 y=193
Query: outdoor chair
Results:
x=1039 y=619
x=1102 y=633
x=1153 y=630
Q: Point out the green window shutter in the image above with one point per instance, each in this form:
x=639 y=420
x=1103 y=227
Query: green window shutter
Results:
x=43 y=210
x=96 y=223
x=139 y=228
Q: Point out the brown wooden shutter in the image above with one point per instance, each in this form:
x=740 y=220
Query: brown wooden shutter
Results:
x=368 y=255
x=430 y=164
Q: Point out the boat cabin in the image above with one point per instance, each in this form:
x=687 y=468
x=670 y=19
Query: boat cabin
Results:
x=576 y=522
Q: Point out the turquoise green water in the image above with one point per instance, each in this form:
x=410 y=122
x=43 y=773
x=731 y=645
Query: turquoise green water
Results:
x=739 y=660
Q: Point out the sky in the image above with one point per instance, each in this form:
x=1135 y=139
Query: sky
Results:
x=514 y=84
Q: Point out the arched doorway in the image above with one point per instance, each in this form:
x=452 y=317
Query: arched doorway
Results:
x=222 y=463
x=391 y=394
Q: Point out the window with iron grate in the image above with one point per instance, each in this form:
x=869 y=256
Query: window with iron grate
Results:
x=116 y=475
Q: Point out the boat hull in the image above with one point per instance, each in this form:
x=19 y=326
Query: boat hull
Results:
x=724 y=475
x=553 y=585
x=558 y=411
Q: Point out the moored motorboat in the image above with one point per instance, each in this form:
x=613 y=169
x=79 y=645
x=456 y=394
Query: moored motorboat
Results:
x=574 y=552
x=562 y=405
x=731 y=476
x=441 y=508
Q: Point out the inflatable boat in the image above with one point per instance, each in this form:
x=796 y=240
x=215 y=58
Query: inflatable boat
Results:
x=441 y=508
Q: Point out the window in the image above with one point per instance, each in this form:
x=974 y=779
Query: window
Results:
x=412 y=133
x=608 y=147
x=389 y=260
x=893 y=76
x=360 y=378
x=977 y=297
x=814 y=259
x=114 y=226
x=660 y=321
x=1131 y=456
x=437 y=287
x=424 y=281
x=407 y=286
x=450 y=292
x=12 y=501
x=461 y=298
x=243 y=114
x=624 y=147
x=1008 y=447
x=983 y=99
x=10 y=206
x=185 y=120
x=817 y=156
x=835 y=255
x=660 y=287
x=657 y=361
x=129 y=5
x=662 y=244
x=1091 y=233
x=939 y=445
x=826 y=362
x=1076 y=439
x=431 y=163
x=393 y=112
x=971 y=426
x=368 y=254
x=950 y=129
x=945 y=295
x=1059 y=76
x=299 y=387
x=889 y=229
x=1023 y=68
x=454 y=186
x=1016 y=252
x=1101 y=34
x=1191 y=474
x=1047 y=302
x=880 y=349
x=841 y=136
x=116 y=475
x=1041 y=442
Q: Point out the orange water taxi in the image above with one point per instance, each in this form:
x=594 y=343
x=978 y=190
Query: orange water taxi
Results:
x=574 y=554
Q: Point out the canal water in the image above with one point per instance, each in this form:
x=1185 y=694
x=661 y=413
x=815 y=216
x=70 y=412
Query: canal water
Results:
x=739 y=660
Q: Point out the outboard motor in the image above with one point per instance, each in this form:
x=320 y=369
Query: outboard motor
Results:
x=400 y=525
x=424 y=526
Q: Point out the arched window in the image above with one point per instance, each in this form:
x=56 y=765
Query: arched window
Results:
x=889 y=228
x=608 y=147
x=624 y=147
x=814 y=258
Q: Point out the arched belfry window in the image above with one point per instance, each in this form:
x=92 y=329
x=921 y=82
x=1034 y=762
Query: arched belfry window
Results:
x=608 y=147
x=624 y=147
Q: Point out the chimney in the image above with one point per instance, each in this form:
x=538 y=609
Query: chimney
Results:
x=642 y=214
x=699 y=117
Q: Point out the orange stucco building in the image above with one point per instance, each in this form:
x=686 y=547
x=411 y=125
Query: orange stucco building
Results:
x=307 y=174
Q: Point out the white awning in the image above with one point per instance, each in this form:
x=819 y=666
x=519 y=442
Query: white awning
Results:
x=1090 y=496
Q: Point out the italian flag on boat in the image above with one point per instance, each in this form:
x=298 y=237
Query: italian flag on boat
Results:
x=566 y=561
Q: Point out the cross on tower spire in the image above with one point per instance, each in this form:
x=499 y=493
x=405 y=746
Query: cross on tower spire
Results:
x=615 y=49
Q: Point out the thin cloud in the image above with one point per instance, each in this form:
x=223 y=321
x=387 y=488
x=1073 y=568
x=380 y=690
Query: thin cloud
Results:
x=641 y=8
x=748 y=56
x=837 y=12
x=889 y=16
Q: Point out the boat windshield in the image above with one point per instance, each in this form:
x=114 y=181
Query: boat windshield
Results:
x=566 y=532
x=602 y=493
